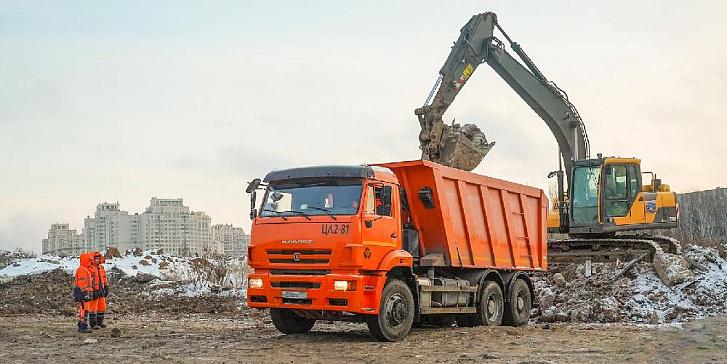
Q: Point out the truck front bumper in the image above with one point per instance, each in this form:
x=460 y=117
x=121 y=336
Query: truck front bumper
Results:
x=316 y=292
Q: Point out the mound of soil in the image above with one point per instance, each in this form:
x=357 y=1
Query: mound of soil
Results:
x=51 y=293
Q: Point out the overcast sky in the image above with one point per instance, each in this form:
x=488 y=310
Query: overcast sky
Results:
x=122 y=101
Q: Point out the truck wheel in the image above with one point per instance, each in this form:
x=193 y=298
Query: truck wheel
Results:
x=287 y=322
x=490 y=310
x=518 y=309
x=396 y=313
x=492 y=305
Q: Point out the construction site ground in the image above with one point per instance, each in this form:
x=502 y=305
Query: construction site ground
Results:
x=621 y=312
x=249 y=336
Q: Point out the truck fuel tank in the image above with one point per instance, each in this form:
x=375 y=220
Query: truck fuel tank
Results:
x=458 y=296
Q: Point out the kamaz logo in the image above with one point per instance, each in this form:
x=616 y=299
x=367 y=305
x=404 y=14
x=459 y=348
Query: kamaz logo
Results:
x=300 y=241
x=296 y=257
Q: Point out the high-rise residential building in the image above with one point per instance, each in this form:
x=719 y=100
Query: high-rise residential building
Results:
x=109 y=227
x=166 y=224
x=232 y=239
x=63 y=241
x=215 y=248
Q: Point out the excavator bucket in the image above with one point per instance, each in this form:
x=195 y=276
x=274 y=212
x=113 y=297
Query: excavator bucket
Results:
x=463 y=147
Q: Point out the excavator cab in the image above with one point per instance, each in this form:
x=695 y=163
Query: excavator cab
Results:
x=607 y=195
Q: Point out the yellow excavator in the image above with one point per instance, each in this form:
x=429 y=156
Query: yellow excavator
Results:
x=603 y=205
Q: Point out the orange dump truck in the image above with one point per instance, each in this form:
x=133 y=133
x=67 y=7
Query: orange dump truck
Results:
x=392 y=245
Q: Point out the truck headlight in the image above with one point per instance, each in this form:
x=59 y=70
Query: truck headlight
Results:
x=340 y=285
x=255 y=283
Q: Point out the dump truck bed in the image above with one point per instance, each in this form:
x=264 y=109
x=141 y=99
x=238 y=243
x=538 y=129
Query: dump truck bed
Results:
x=474 y=221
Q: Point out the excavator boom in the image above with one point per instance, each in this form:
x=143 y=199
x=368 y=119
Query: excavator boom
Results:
x=477 y=44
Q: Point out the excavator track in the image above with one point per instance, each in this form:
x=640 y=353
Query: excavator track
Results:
x=620 y=247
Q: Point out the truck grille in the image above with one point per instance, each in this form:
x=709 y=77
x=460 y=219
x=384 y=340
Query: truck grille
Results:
x=297 y=301
x=302 y=252
x=299 y=272
x=300 y=261
x=296 y=284
x=302 y=256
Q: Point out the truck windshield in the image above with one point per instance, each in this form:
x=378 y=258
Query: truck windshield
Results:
x=585 y=194
x=339 y=196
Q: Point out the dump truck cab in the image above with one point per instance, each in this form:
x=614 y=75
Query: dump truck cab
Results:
x=322 y=235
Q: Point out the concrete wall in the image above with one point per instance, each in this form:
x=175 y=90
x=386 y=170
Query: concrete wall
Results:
x=703 y=216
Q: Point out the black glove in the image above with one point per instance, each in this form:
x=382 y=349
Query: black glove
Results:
x=106 y=291
x=77 y=294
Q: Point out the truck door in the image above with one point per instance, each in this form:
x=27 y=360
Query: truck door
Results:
x=381 y=229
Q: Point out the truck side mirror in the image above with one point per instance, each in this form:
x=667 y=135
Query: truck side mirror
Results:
x=253 y=199
x=253 y=185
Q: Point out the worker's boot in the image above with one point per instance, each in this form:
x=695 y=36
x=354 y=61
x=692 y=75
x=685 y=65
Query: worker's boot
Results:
x=99 y=320
x=83 y=327
x=93 y=322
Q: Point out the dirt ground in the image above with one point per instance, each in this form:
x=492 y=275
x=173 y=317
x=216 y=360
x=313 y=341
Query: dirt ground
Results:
x=248 y=336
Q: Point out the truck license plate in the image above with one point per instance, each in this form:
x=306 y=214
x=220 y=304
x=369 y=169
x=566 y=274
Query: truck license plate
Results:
x=295 y=294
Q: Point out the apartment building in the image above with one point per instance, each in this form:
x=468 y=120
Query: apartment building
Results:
x=109 y=227
x=63 y=241
x=166 y=224
x=232 y=239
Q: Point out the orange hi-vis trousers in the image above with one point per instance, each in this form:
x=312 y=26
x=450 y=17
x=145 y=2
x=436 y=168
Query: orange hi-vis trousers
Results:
x=83 y=312
x=92 y=306
x=101 y=306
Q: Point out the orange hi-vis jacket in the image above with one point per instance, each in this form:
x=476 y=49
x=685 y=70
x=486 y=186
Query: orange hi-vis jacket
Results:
x=103 y=279
x=96 y=278
x=83 y=286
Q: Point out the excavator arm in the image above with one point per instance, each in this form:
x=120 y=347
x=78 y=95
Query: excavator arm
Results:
x=465 y=147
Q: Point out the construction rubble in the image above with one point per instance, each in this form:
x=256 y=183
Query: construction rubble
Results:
x=667 y=291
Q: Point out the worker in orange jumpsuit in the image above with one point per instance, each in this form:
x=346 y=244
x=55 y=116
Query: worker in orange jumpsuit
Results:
x=83 y=292
x=93 y=304
x=103 y=292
